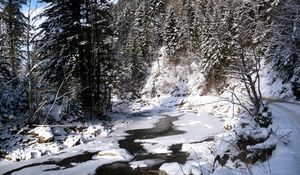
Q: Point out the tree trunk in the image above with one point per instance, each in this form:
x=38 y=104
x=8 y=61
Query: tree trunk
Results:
x=29 y=66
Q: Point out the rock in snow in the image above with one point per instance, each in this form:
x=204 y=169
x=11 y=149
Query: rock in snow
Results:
x=72 y=141
x=44 y=134
x=94 y=130
x=32 y=154
x=115 y=154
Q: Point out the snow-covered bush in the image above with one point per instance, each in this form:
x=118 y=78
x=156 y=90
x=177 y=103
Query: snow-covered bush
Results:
x=264 y=118
x=60 y=110
x=13 y=102
x=296 y=87
x=248 y=143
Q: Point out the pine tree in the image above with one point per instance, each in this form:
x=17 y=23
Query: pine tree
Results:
x=124 y=16
x=123 y=44
x=139 y=29
x=13 y=95
x=101 y=65
x=284 y=43
x=186 y=21
x=61 y=39
x=5 y=74
x=13 y=27
x=155 y=14
x=76 y=51
x=139 y=51
x=214 y=61
x=171 y=32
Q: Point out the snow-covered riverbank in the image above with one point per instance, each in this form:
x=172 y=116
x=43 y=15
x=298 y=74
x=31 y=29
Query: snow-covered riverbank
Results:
x=197 y=127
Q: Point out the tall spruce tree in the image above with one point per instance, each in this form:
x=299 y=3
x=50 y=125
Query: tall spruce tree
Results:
x=186 y=25
x=213 y=58
x=284 y=43
x=99 y=54
x=138 y=51
x=156 y=14
x=12 y=33
x=13 y=96
x=75 y=51
x=4 y=63
x=135 y=29
x=171 y=32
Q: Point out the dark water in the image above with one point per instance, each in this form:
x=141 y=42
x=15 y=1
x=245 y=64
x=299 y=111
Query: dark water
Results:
x=164 y=127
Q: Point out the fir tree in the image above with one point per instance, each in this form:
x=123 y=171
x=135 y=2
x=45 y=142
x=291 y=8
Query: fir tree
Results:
x=5 y=74
x=76 y=51
x=171 y=32
x=284 y=43
x=12 y=30
x=139 y=50
x=155 y=14
x=213 y=58
x=186 y=25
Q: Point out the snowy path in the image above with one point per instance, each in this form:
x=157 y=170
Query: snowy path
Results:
x=292 y=110
x=287 y=117
x=286 y=124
